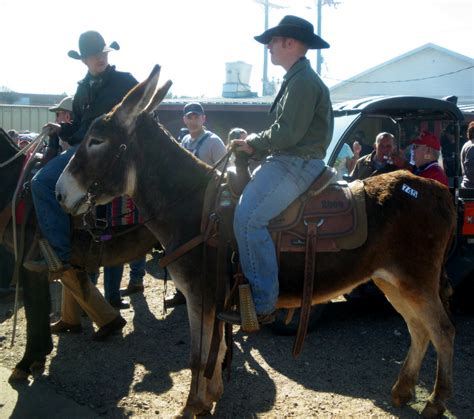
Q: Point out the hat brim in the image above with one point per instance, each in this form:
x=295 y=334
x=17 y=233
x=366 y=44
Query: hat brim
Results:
x=114 y=46
x=311 y=40
x=194 y=112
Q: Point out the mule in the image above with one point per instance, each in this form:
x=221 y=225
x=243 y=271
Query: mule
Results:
x=36 y=297
x=408 y=240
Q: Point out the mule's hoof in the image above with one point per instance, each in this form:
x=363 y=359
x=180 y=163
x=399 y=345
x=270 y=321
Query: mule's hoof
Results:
x=401 y=396
x=433 y=410
x=37 y=368
x=18 y=376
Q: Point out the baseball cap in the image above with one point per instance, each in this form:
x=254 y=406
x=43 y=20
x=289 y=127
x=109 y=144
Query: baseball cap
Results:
x=428 y=139
x=64 y=105
x=194 y=107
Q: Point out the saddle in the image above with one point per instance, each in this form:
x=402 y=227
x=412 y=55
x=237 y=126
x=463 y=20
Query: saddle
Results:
x=338 y=210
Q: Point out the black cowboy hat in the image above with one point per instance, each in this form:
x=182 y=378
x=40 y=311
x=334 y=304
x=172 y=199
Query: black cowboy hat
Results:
x=91 y=43
x=296 y=28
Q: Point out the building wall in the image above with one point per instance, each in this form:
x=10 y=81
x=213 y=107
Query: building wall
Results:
x=428 y=62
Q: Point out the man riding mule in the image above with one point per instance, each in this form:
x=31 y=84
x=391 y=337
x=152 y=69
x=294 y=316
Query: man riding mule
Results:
x=101 y=89
x=399 y=223
x=295 y=145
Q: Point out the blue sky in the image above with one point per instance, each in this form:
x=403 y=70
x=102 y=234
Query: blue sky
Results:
x=193 y=39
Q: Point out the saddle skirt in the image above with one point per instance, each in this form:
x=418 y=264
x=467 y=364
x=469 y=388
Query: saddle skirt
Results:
x=338 y=212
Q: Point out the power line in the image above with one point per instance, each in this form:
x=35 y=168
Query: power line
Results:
x=401 y=81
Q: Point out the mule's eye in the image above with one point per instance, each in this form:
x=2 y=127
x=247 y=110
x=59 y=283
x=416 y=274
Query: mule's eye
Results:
x=94 y=141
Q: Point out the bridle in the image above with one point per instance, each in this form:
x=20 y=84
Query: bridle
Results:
x=95 y=188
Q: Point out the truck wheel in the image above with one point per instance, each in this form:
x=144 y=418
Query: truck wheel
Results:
x=280 y=328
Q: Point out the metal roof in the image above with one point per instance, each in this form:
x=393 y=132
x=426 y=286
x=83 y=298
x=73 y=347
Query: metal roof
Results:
x=400 y=106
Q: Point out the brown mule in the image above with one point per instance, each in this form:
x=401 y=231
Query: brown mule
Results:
x=168 y=185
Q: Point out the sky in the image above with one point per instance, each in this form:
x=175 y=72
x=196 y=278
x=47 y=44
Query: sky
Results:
x=193 y=39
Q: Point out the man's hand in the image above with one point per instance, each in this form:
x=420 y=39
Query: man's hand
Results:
x=356 y=148
x=242 y=145
x=51 y=128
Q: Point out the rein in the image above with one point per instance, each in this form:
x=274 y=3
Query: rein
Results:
x=24 y=150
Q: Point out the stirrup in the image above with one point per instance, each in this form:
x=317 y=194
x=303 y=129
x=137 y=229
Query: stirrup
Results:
x=248 y=315
x=50 y=256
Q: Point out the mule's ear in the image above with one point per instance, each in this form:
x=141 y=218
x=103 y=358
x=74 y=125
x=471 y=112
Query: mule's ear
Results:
x=138 y=99
x=158 y=96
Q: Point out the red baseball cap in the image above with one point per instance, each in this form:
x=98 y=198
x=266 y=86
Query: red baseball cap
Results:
x=429 y=139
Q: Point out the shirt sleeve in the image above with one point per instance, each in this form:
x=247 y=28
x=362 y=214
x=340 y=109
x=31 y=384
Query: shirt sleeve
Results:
x=298 y=106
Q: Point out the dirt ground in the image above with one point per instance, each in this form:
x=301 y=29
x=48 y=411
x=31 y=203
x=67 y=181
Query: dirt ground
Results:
x=346 y=369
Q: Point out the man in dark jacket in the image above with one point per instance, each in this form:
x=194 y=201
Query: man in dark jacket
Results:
x=101 y=89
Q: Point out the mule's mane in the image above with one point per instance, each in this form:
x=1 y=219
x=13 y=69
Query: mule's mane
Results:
x=177 y=165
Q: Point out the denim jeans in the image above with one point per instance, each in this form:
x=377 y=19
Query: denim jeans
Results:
x=54 y=223
x=113 y=278
x=273 y=187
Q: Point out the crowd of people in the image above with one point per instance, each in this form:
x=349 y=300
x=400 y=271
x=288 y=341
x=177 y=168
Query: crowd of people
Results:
x=289 y=156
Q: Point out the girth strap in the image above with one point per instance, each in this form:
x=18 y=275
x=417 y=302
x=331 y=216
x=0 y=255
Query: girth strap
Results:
x=306 y=298
x=186 y=247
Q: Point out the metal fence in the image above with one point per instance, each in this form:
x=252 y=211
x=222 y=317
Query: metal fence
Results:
x=24 y=118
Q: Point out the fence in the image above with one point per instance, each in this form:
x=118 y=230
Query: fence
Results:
x=21 y=118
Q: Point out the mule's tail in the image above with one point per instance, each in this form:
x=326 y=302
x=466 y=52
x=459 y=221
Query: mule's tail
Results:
x=445 y=288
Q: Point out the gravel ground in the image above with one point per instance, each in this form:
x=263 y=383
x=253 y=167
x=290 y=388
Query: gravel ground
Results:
x=346 y=369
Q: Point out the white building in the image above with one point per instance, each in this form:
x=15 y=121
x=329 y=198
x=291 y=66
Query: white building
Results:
x=429 y=70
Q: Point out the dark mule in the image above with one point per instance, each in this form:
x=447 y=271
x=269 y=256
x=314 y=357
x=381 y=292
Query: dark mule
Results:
x=36 y=298
x=408 y=238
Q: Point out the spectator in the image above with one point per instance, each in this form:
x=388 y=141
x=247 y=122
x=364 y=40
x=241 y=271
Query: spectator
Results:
x=467 y=159
x=63 y=112
x=426 y=152
x=236 y=134
x=359 y=137
x=204 y=144
x=101 y=89
x=378 y=161
x=122 y=211
x=448 y=149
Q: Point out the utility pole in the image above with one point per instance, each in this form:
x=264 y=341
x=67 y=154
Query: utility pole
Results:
x=266 y=88
x=319 y=57
x=319 y=10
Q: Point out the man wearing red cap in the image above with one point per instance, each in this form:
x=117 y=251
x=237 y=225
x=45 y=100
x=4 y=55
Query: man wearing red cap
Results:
x=426 y=152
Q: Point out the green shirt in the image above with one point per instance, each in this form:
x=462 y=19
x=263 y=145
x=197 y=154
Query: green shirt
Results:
x=304 y=119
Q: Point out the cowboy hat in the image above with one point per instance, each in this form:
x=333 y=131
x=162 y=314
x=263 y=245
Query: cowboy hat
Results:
x=296 y=28
x=91 y=43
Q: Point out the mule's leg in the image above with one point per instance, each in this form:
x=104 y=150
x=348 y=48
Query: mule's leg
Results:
x=404 y=388
x=37 y=304
x=441 y=331
x=203 y=392
x=426 y=306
